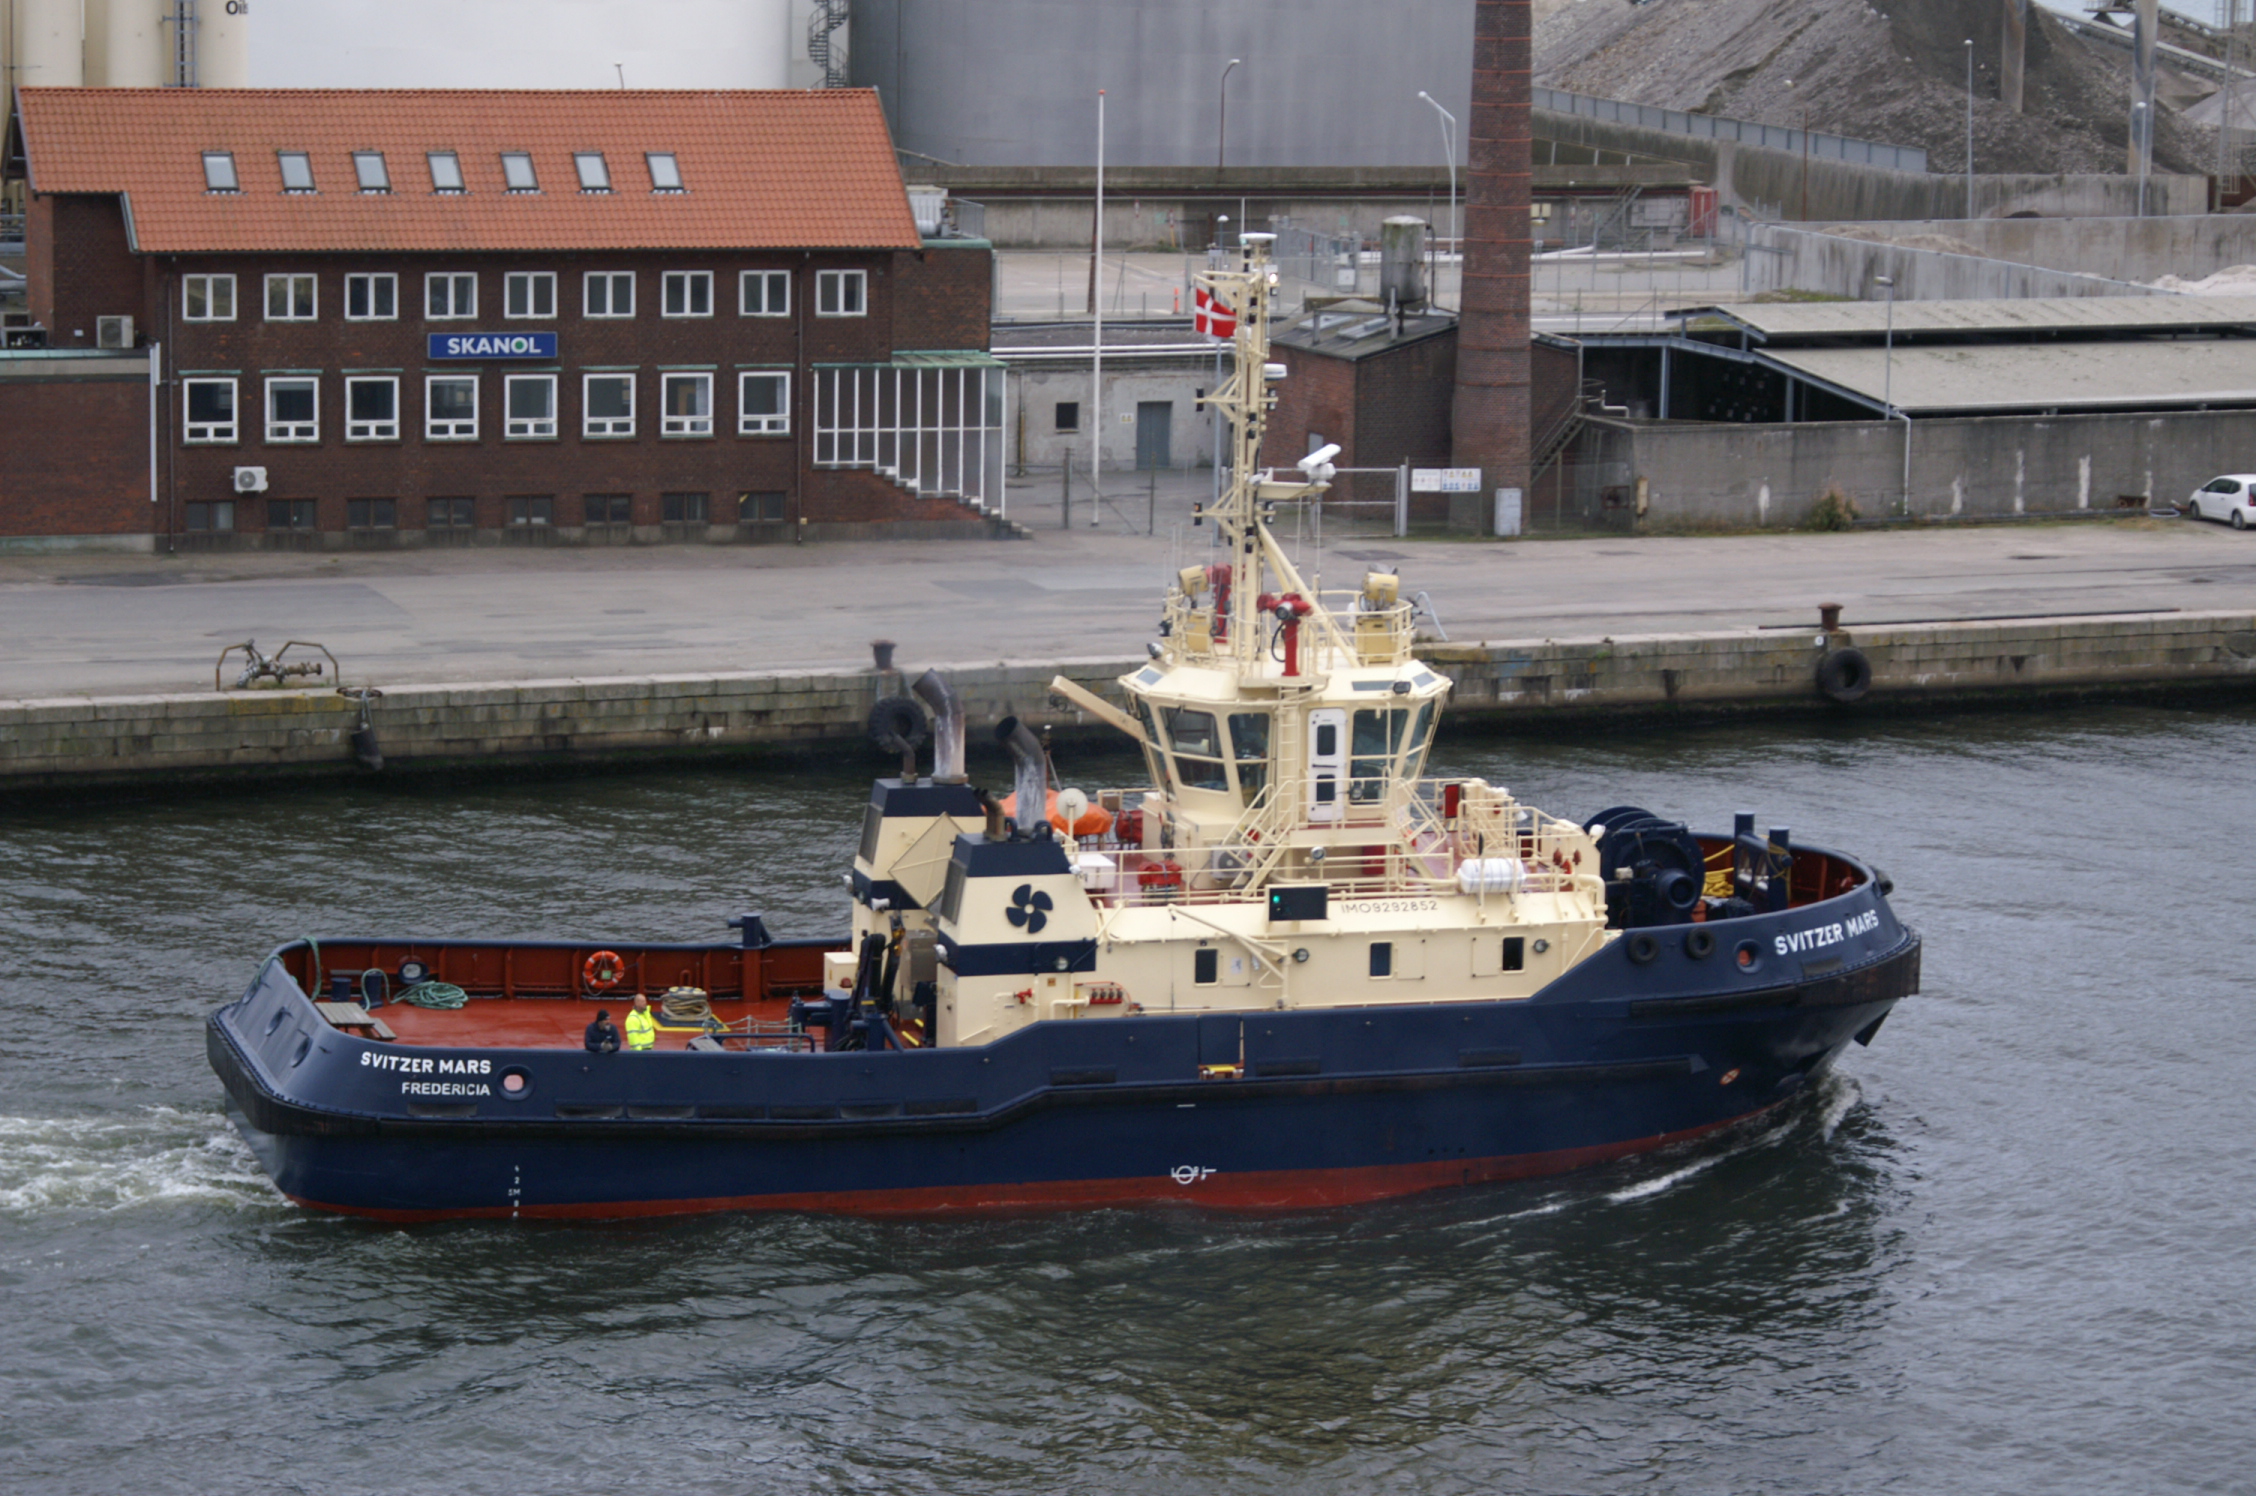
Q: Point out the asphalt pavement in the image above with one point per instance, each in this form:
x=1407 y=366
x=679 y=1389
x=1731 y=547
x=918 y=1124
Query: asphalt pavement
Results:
x=119 y=624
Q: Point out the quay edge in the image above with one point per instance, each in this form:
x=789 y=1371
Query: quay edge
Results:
x=96 y=743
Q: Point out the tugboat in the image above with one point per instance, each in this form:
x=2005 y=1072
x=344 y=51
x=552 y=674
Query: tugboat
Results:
x=1289 y=972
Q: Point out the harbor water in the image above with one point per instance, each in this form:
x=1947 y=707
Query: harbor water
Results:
x=2005 y=1249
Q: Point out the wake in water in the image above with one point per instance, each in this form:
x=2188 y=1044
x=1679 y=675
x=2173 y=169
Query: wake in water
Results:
x=160 y=1155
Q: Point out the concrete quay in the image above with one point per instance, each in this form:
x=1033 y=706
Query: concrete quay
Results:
x=493 y=660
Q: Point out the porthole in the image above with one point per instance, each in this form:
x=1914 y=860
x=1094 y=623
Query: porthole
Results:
x=516 y=1082
x=1749 y=956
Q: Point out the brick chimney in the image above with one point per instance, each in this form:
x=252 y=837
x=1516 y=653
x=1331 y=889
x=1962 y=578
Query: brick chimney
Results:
x=1489 y=415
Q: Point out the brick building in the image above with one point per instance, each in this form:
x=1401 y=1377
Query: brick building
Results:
x=401 y=317
x=1375 y=383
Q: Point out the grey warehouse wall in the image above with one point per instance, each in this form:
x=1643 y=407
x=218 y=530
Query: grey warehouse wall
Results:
x=1728 y=475
x=1014 y=82
x=1783 y=258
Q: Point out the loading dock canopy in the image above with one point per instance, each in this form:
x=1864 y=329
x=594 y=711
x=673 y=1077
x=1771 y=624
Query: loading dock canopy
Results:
x=2077 y=316
x=2143 y=375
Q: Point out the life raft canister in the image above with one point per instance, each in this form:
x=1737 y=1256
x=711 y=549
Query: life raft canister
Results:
x=603 y=970
x=1095 y=821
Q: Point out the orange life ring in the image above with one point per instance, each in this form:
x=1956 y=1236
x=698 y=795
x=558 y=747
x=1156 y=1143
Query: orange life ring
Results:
x=603 y=970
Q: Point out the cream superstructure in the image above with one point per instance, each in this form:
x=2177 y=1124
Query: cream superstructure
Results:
x=1288 y=854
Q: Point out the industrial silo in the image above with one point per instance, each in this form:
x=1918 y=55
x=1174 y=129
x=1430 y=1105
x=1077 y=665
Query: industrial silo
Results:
x=47 y=39
x=1319 y=82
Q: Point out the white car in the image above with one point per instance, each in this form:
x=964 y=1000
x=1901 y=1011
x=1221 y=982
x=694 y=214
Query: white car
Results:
x=2231 y=498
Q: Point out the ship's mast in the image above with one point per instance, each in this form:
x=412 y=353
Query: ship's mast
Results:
x=1244 y=401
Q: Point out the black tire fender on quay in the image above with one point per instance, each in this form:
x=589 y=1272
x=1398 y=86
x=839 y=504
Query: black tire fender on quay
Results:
x=1844 y=675
x=897 y=722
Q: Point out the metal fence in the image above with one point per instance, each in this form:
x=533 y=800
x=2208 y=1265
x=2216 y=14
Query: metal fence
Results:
x=1325 y=260
x=1816 y=143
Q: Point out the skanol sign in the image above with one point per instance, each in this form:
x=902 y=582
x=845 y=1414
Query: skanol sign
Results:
x=493 y=345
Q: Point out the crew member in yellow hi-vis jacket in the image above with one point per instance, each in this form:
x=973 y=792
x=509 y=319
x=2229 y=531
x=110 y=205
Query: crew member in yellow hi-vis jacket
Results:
x=642 y=1029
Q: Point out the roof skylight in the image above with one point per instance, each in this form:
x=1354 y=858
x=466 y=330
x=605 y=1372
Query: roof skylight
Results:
x=665 y=173
x=446 y=171
x=594 y=175
x=219 y=172
x=517 y=172
x=369 y=167
x=297 y=171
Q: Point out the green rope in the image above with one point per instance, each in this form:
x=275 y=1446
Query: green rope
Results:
x=432 y=994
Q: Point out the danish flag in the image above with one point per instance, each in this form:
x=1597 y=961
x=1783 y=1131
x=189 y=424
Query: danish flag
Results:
x=1211 y=316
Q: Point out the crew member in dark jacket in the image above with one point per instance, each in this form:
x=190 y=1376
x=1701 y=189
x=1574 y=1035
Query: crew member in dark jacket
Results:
x=603 y=1034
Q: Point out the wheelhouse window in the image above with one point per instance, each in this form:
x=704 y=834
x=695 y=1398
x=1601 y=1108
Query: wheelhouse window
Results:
x=594 y=175
x=293 y=409
x=687 y=405
x=210 y=409
x=297 y=171
x=219 y=172
x=207 y=298
x=517 y=172
x=1249 y=744
x=763 y=404
x=290 y=298
x=841 y=293
x=764 y=293
x=607 y=402
x=369 y=170
x=610 y=293
x=1197 y=748
x=450 y=408
x=372 y=409
x=1373 y=745
x=529 y=293
x=688 y=293
x=450 y=296
x=531 y=406
x=372 y=298
x=446 y=171
x=665 y=171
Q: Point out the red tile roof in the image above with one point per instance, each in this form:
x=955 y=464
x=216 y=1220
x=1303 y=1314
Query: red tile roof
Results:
x=762 y=170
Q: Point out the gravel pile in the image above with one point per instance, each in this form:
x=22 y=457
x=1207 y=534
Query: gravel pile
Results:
x=1894 y=73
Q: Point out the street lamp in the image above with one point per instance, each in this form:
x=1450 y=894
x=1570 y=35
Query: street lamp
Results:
x=1222 y=117
x=1449 y=147
x=1888 y=385
x=1970 y=129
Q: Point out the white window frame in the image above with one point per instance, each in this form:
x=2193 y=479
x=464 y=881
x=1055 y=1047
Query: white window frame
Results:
x=670 y=424
x=611 y=281
x=372 y=280
x=290 y=283
x=830 y=291
x=751 y=424
x=524 y=429
x=768 y=283
x=687 y=289
x=213 y=433
x=606 y=427
x=450 y=430
x=209 y=284
x=357 y=430
x=532 y=282
x=280 y=433
x=454 y=281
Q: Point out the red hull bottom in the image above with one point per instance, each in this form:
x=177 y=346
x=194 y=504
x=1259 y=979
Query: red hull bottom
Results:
x=1279 y=1190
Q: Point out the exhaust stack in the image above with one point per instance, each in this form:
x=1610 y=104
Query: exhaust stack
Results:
x=947 y=727
x=1029 y=781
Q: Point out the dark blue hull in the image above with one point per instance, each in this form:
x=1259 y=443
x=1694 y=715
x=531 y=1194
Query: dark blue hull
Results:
x=1619 y=1055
